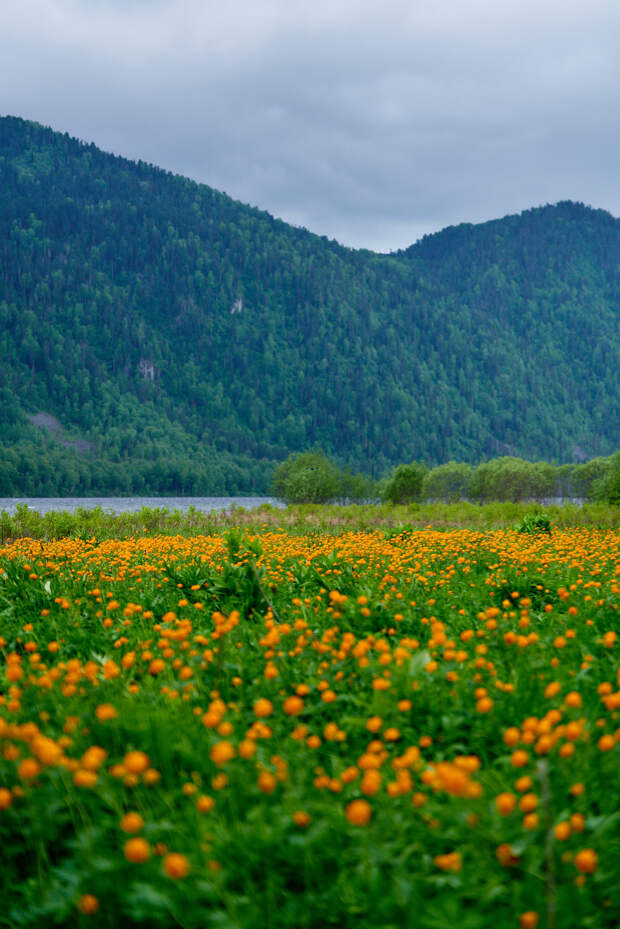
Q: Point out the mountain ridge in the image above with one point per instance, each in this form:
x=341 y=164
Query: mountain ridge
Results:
x=118 y=288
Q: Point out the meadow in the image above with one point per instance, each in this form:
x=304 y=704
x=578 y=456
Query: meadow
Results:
x=314 y=726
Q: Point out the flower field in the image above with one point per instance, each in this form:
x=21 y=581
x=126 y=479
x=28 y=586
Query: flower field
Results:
x=274 y=730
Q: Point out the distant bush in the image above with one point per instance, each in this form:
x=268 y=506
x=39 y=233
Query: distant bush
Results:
x=309 y=477
x=447 y=482
x=606 y=488
x=588 y=478
x=405 y=483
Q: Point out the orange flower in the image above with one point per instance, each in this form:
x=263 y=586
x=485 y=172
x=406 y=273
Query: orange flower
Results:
x=88 y=904
x=606 y=743
x=528 y=920
x=136 y=762
x=93 y=758
x=573 y=699
x=293 y=706
x=562 y=831
x=450 y=862
x=263 y=708
x=371 y=782
x=586 y=861
x=85 y=778
x=176 y=866
x=47 y=751
x=247 y=748
x=222 y=752
x=267 y=782
x=505 y=803
x=132 y=822
x=528 y=803
x=358 y=812
x=28 y=769
x=301 y=819
x=519 y=758
x=137 y=850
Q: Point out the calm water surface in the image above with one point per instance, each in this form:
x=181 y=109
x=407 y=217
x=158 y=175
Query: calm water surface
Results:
x=132 y=504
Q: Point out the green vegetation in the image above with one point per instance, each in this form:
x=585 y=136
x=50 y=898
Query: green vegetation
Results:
x=157 y=336
x=405 y=484
x=535 y=522
x=301 y=731
x=96 y=524
x=313 y=478
x=307 y=478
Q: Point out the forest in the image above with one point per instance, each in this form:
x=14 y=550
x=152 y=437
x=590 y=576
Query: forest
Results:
x=158 y=337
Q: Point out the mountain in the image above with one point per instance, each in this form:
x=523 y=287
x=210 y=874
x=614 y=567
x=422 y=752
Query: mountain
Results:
x=157 y=335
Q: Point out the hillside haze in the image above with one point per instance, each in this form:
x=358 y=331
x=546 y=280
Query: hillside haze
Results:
x=157 y=335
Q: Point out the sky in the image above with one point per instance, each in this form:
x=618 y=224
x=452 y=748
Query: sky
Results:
x=373 y=122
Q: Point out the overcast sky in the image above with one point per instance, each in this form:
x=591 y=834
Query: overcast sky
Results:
x=369 y=121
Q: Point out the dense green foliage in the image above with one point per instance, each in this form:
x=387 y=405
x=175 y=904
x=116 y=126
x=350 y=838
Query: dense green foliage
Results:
x=607 y=488
x=307 y=478
x=311 y=731
x=313 y=478
x=185 y=342
x=405 y=484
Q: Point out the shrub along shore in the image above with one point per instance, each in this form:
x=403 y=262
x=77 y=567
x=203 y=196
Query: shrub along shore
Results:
x=97 y=524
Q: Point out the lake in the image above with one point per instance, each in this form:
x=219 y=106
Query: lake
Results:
x=133 y=504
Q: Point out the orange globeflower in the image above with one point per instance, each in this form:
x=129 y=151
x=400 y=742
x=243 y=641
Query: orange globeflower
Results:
x=222 y=752
x=136 y=762
x=267 y=782
x=85 y=778
x=528 y=920
x=512 y=736
x=88 y=904
x=263 y=708
x=46 y=750
x=137 y=850
x=204 y=804
x=247 y=748
x=28 y=769
x=528 y=803
x=371 y=782
x=93 y=758
x=586 y=861
x=358 y=812
x=562 y=831
x=505 y=803
x=450 y=862
x=292 y=706
x=301 y=818
x=176 y=866
x=106 y=711
x=132 y=822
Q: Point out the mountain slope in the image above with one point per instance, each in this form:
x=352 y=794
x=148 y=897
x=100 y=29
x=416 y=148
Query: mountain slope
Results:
x=191 y=340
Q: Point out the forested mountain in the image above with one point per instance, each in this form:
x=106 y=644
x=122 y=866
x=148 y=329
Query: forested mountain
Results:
x=180 y=341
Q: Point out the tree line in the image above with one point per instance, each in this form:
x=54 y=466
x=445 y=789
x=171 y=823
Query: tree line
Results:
x=312 y=477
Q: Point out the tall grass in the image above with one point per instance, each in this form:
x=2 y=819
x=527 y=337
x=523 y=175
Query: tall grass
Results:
x=97 y=524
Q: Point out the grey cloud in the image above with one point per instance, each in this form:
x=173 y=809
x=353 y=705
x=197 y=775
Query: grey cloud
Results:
x=372 y=123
